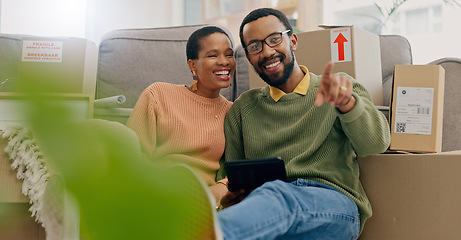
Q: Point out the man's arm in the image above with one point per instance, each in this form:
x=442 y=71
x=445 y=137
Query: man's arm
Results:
x=234 y=150
x=366 y=127
x=234 y=141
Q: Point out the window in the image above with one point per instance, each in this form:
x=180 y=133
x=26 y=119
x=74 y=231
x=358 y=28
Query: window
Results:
x=429 y=25
x=417 y=21
x=437 y=21
x=192 y=12
x=421 y=21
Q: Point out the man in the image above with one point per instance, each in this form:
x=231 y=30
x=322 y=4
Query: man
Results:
x=317 y=124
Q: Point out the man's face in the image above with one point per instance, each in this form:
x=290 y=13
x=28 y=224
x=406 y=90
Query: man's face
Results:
x=273 y=64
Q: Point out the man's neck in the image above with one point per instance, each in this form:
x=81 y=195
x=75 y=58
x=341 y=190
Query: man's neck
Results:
x=293 y=81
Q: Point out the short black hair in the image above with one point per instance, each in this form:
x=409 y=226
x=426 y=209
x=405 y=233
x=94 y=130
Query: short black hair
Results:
x=263 y=12
x=193 y=43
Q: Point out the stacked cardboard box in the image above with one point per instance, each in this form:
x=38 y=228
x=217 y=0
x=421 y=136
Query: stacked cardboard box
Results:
x=63 y=69
x=412 y=195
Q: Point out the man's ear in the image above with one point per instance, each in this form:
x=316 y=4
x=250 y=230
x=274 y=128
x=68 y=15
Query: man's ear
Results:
x=191 y=64
x=294 y=41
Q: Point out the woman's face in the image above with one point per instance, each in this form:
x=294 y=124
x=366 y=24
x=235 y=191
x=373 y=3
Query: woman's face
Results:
x=214 y=66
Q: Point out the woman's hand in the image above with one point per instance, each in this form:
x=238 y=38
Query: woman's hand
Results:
x=218 y=190
x=231 y=198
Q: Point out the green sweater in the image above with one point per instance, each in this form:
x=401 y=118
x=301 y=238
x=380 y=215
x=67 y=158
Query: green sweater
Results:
x=316 y=143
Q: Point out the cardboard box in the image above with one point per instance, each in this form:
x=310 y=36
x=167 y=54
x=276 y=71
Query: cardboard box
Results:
x=413 y=196
x=61 y=65
x=13 y=107
x=17 y=224
x=353 y=50
x=16 y=221
x=10 y=186
x=417 y=108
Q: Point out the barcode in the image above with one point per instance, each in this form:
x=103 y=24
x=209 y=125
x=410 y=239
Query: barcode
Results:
x=400 y=127
x=423 y=111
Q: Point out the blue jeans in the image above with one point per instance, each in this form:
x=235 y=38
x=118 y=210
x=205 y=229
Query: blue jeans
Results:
x=301 y=209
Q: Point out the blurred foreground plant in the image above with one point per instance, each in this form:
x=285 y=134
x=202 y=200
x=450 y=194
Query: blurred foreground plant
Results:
x=120 y=195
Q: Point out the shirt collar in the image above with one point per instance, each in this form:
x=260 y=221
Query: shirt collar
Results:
x=302 y=87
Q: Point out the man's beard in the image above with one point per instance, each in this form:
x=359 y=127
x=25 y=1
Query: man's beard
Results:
x=287 y=70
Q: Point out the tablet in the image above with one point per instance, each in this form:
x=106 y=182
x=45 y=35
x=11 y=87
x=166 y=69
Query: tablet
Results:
x=249 y=174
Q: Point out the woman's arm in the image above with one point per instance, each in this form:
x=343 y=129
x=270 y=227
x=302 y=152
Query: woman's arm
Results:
x=143 y=121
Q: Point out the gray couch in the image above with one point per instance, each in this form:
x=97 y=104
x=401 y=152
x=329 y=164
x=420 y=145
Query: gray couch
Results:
x=395 y=50
x=132 y=59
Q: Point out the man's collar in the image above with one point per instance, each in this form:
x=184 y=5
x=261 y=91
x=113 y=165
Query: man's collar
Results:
x=302 y=87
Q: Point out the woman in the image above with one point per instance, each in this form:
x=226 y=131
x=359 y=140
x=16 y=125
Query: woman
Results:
x=177 y=123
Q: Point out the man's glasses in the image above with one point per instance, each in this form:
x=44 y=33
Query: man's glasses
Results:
x=271 y=41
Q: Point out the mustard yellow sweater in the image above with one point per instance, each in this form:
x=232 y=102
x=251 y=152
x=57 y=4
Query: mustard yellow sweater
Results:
x=176 y=125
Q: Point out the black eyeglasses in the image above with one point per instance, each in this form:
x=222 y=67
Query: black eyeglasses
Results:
x=272 y=40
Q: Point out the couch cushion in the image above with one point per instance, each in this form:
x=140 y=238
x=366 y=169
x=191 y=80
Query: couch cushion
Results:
x=132 y=59
x=451 y=135
x=387 y=90
x=395 y=50
x=242 y=72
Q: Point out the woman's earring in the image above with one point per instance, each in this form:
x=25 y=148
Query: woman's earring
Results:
x=194 y=85
x=194 y=82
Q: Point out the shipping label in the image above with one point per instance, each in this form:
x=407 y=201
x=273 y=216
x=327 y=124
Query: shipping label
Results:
x=413 y=110
x=42 y=51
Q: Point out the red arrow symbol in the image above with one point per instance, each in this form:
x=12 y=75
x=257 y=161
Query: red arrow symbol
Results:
x=340 y=40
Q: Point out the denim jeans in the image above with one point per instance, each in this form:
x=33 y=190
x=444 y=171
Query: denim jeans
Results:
x=301 y=209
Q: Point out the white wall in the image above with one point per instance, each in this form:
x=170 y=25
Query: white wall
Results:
x=89 y=19
x=106 y=15
x=43 y=17
x=429 y=47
